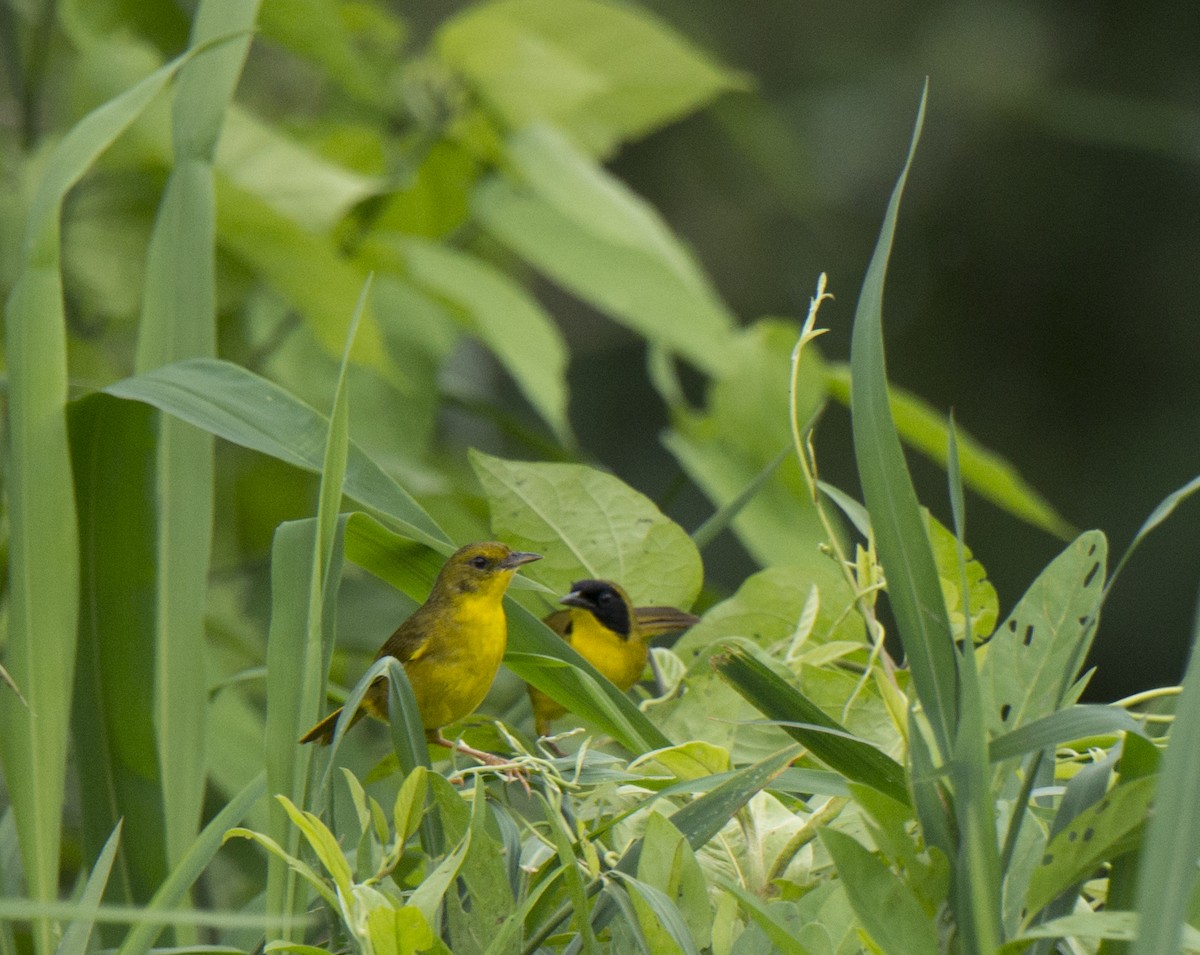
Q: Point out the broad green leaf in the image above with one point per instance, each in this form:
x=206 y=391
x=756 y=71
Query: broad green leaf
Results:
x=293 y=181
x=586 y=523
x=605 y=72
x=239 y=406
x=983 y=471
x=327 y=35
x=914 y=591
x=668 y=864
x=306 y=268
x=323 y=843
x=1034 y=656
x=662 y=925
x=1167 y=868
x=1099 y=833
x=299 y=866
x=808 y=724
x=884 y=904
x=767 y=916
x=727 y=447
x=113 y=715
x=589 y=233
x=402 y=931
x=43 y=604
x=507 y=319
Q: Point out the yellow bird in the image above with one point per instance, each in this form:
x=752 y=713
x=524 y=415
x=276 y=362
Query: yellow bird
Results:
x=451 y=646
x=604 y=628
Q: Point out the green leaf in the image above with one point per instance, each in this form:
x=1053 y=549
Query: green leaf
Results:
x=727 y=448
x=588 y=232
x=1089 y=926
x=142 y=936
x=981 y=595
x=178 y=320
x=914 y=591
x=606 y=73
x=662 y=925
x=586 y=523
x=1099 y=833
x=885 y=905
x=807 y=723
x=983 y=471
x=780 y=934
x=307 y=269
x=75 y=939
x=1062 y=726
x=1033 y=657
x=113 y=713
x=239 y=406
x=43 y=604
x=290 y=179
x=1167 y=868
x=402 y=931
x=506 y=318
x=668 y=864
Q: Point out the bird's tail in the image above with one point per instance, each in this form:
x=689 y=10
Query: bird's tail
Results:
x=652 y=621
x=323 y=732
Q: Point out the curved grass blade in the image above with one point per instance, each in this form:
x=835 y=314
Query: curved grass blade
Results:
x=242 y=407
x=823 y=736
x=1059 y=727
x=914 y=589
x=143 y=935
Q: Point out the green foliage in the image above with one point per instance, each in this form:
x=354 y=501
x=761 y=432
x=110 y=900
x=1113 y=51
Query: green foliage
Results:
x=178 y=610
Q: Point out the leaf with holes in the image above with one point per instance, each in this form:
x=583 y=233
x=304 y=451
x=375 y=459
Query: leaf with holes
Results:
x=1099 y=833
x=1034 y=656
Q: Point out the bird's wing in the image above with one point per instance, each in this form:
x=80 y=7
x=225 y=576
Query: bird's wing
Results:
x=559 y=622
x=410 y=641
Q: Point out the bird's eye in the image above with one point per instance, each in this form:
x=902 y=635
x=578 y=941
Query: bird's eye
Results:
x=479 y=563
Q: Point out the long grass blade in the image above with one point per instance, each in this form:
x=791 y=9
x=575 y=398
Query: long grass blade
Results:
x=179 y=321
x=904 y=550
x=113 y=717
x=298 y=661
x=44 y=543
x=1167 y=869
x=242 y=407
x=75 y=939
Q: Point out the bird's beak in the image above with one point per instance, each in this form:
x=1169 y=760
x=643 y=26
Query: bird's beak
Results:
x=574 y=599
x=519 y=557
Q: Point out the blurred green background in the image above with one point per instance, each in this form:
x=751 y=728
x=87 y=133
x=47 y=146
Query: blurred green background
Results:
x=1043 y=283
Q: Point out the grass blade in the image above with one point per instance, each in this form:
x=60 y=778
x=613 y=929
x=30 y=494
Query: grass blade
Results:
x=914 y=590
x=44 y=544
x=75 y=939
x=142 y=936
x=113 y=714
x=178 y=320
x=242 y=407
x=808 y=724
x=1167 y=869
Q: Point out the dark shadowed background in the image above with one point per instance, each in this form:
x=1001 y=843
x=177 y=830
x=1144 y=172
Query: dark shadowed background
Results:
x=1045 y=283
